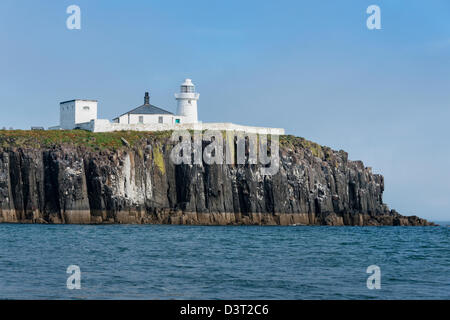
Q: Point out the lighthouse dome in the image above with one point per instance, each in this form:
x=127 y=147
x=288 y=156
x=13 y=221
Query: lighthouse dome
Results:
x=187 y=82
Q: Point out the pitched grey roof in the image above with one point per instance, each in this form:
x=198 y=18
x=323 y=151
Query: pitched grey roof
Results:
x=146 y=109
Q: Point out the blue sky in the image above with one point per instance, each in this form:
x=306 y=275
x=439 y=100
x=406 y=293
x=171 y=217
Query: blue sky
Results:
x=311 y=67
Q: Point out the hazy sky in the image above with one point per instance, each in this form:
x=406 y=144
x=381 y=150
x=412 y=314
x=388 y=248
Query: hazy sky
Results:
x=311 y=67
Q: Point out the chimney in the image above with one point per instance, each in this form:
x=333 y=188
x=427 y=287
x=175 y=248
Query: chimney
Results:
x=147 y=98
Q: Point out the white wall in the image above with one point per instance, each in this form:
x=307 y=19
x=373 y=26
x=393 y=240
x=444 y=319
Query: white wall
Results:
x=67 y=115
x=107 y=126
x=85 y=111
x=149 y=118
x=123 y=119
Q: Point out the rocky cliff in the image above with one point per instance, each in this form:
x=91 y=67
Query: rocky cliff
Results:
x=128 y=177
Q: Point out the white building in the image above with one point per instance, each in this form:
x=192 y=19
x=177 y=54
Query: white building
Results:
x=82 y=114
x=76 y=111
x=148 y=114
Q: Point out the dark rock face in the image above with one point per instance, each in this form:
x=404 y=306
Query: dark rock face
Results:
x=140 y=184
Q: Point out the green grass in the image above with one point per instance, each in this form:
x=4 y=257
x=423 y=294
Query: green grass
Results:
x=295 y=142
x=113 y=141
x=103 y=140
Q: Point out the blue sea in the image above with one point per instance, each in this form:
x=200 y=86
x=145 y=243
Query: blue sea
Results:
x=226 y=262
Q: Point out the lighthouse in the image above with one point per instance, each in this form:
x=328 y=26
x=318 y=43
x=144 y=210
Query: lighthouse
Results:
x=187 y=102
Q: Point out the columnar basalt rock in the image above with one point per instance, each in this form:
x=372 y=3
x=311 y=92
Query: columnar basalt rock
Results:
x=69 y=183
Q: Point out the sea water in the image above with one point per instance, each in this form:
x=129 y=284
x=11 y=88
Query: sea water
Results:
x=223 y=262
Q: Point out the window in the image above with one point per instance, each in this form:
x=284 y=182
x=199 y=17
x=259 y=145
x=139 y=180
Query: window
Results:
x=141 y=119
x=187 y=89
x=177 y=120
x=160 y=120
x=86 y=108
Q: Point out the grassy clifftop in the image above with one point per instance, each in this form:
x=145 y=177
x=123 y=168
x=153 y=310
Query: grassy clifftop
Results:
x=115 y=140
x=103 y=140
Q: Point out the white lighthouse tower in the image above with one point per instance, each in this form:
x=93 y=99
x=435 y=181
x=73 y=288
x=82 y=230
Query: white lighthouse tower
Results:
x=187 y=102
